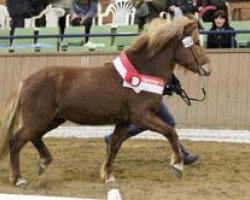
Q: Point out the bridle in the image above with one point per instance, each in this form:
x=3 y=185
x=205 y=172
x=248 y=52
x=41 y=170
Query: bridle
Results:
x=189 y=43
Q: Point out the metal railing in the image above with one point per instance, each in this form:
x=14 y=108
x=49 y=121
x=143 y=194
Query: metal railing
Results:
x=61 y=37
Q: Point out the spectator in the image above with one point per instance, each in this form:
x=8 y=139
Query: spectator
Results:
x=82 y=13
x=221 y=40
x=65 y=4
x=19 y=10
x=150 y=9
x=209 y=8
x=189 y=6
x=158 y=6
x=37 y=7
x=142 y=12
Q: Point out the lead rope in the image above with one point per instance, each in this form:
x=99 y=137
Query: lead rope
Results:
x=188 y=99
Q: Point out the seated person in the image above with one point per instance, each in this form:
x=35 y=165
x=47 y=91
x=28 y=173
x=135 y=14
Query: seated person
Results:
x=209 y=8
x=221 y=40
x=65 y=4
x=82 y=13
x=146 y=10
x=189 y=6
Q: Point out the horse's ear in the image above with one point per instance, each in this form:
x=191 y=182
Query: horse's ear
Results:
x=190 y=28
x=192 y=25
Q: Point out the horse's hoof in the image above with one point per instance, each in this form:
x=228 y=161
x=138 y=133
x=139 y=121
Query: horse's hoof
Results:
x=110 y=180
x=22 y=183
x=177 y=171
x=41 y=168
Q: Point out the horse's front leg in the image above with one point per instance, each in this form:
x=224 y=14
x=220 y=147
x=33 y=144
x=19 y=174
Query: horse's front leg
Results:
x=116 y=141
x=152 y=122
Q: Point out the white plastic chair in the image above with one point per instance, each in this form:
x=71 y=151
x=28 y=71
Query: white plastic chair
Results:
x=4 y=17
x=122 y=11
x=52 y=15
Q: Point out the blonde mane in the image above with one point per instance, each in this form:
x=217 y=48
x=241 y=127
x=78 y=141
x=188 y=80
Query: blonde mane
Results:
x=159 y=33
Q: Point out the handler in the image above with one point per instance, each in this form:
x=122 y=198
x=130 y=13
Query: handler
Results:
x=163 y=112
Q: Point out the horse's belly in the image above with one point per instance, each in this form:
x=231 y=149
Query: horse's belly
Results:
x=91 y=115
x=93 y=121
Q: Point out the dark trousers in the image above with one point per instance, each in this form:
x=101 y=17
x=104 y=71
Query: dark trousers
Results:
x=163 y=113
x=87 y=25
x=141 y=22
x=17 y=22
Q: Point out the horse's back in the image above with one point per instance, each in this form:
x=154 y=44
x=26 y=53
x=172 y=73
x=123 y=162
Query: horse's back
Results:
x=83 y=95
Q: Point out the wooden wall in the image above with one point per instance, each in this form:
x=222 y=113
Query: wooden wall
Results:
x=228 y=88
x=240 y=9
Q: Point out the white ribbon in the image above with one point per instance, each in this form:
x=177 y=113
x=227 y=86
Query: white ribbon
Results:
x=144 y=85
x=188 y=41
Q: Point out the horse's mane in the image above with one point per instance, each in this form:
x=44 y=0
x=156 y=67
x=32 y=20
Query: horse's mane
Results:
x=159 y=33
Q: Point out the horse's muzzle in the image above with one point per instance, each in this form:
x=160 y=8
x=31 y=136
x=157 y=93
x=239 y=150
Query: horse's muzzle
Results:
x=204 y=70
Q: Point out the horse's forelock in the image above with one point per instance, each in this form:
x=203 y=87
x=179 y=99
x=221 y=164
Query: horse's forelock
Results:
x=163 y=34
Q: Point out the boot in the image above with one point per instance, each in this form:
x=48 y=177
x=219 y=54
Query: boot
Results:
x=188 y=158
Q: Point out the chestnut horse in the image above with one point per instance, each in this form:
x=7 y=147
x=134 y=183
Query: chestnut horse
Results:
x=103 y=95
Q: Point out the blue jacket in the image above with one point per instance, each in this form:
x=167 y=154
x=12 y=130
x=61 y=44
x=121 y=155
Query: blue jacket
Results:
x=89 y=10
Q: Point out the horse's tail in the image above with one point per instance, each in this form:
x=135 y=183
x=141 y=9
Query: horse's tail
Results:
x=9 y=121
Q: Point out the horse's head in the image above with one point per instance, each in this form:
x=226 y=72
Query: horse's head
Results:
x=173 y=42
x=189 y=53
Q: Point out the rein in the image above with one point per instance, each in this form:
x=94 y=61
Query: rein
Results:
x=188 y=99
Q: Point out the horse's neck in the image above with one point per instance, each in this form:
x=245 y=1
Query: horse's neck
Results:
x=160 y=65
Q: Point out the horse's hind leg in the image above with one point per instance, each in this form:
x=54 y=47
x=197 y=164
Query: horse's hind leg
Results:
x=45 y=155
x=17 y=142
x=116 y=141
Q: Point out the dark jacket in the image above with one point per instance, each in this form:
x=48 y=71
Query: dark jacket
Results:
x=221 y=40
x=220 y=4
x=187 y=6
x=17 y=7
x=38 y=6
x=157 y=6
x=26 y=8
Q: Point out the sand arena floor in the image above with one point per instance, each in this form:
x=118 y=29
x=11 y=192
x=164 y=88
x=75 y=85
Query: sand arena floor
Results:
x=142 y=170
